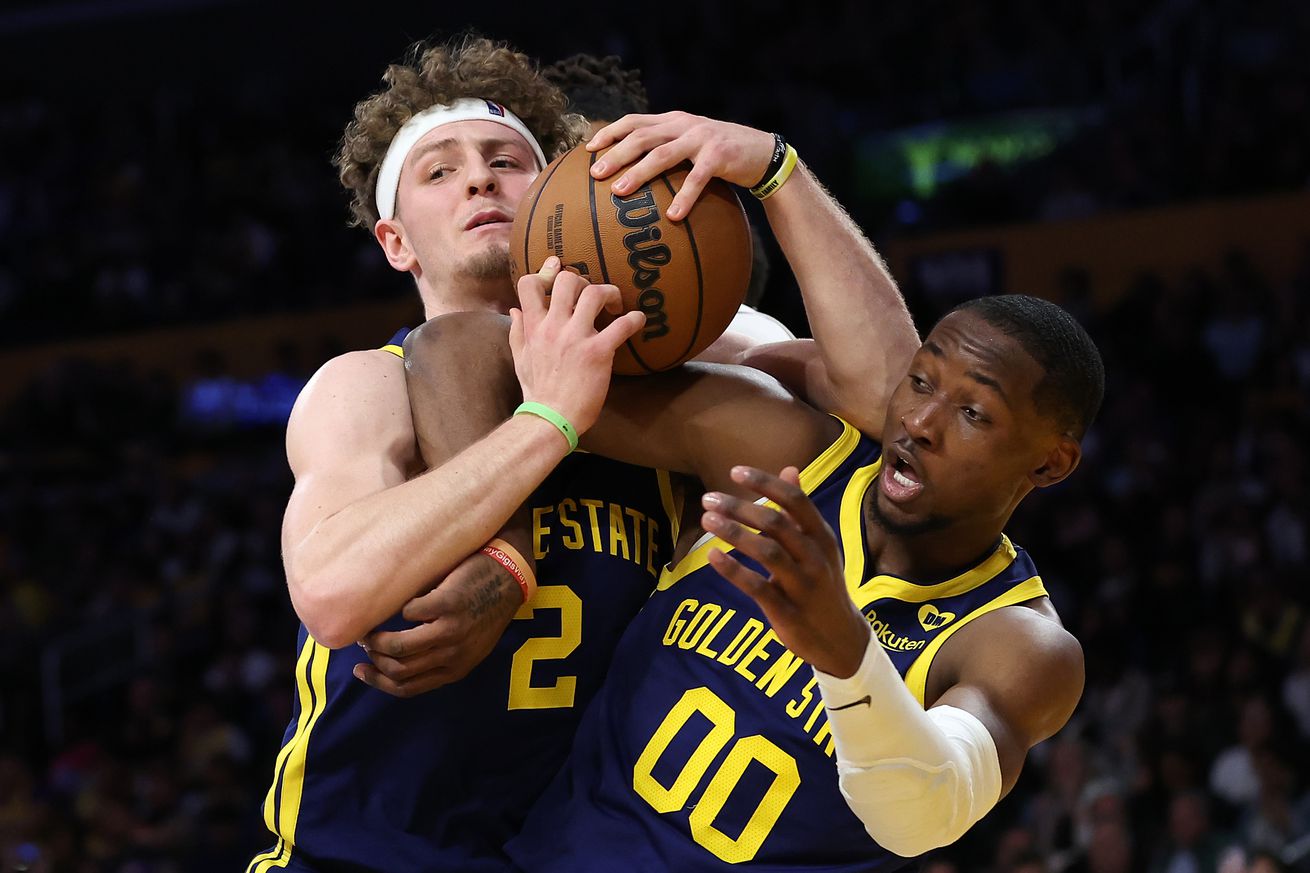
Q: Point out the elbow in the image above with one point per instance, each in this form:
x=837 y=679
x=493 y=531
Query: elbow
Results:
x=907 y=846
x=910 y=830
x=909 y=809
x=323 y=611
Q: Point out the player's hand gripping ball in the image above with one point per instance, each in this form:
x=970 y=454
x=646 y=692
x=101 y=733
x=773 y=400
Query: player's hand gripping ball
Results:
x=688 y=277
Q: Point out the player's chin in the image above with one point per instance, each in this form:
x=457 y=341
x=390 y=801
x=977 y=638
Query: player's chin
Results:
x=902 y=517
x=489 y=262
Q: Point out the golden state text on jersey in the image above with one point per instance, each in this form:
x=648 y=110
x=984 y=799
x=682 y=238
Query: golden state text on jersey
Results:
x=709 y=747
x=365 y=781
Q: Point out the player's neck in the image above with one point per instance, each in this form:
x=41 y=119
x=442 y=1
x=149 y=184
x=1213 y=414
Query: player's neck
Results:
x=930 y=556
x=443 y=298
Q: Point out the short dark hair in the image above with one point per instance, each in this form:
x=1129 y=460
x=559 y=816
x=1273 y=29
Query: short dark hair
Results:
x=1071 y=390
x=599 y=89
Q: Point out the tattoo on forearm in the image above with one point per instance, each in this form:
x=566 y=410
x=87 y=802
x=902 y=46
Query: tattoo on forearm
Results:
x=487 y=590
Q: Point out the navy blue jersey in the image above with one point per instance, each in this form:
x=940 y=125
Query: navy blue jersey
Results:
x=439 y=782
x=709 y=748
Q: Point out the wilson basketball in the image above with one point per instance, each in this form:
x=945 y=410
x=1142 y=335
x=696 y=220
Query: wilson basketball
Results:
x=688 y=276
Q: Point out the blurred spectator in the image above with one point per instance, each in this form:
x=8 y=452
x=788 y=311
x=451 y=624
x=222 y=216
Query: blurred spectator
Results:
x=1191 y=845
x=1234 y=777
x=175 y=216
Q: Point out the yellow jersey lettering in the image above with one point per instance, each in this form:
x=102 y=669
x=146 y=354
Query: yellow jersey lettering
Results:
x=741 y=642
x=573 y=539
x=637 y=518
x=759 y=651
x=814 y=715
x=779 y=673
x=618 y=534
x=677 y=623
x=700 y=622
x=797 y=706
x=540 y=530
x=652 y=544
x=824 y=733
x=593 y=514
x=704 y=647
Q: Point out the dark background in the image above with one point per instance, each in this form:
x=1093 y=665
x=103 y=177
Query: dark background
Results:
x=165 y=186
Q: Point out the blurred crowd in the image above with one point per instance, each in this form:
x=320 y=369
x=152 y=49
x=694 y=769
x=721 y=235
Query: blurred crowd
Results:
x=146 y=640
x=1177 y=556
x=1174 y=555
x=208 y=193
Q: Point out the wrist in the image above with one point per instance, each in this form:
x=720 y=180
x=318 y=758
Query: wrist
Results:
x=777 y=156
x=550 y=415
x=845 y=661
x=781 y=165
x=512 y=561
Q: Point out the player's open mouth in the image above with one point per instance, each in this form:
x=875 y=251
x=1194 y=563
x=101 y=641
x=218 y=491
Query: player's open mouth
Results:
x=488 y=217
x=900 y=481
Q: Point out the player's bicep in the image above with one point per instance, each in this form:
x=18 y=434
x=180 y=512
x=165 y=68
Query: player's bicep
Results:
x=798 y=365
x=704 y=419
x=349 y=437
x=1023 y=687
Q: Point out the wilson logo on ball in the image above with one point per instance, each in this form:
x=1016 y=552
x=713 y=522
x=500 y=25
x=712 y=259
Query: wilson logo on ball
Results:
x=646 y=254
x=687 y=277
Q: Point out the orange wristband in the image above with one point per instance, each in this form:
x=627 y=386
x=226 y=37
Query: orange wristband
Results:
x=508 y=557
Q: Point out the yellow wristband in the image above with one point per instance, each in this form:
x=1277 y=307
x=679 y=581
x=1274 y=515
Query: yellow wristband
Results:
x=767 y=189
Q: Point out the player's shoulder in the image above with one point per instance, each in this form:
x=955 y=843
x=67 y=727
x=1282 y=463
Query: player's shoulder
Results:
x=356 y=394
x=1037 y=624
x=1025 y=642
x=362 y=364
x=360 y=377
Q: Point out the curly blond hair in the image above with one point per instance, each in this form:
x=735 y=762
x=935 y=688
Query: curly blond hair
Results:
x=469 y=66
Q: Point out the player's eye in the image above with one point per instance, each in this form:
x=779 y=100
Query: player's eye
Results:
x=919 y=384
x=502 y=162
x=972 y=414
x=438 y=172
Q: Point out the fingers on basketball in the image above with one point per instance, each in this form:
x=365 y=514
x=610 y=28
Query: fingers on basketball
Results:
x=687 y=276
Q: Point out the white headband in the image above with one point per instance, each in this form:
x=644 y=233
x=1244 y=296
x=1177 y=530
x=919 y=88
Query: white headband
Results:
x=464 y=109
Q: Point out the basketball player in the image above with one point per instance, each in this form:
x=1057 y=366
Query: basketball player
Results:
x=853 y=672
x=437 y=163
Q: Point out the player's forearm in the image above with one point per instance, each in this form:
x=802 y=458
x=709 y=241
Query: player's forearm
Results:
x=916 y=779
x=358 y=567
x=862 y=328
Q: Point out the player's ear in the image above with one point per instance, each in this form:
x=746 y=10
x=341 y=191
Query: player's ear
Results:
x=390 y=234
x=1059 y=462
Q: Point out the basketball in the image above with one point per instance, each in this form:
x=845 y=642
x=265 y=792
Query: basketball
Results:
x=688 y=276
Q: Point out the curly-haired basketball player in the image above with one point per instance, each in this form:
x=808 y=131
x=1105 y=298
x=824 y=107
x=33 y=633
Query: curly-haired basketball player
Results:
x=437 y=163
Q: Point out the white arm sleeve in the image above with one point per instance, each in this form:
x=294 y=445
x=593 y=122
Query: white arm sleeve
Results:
x=917 y=780
x=759 y=326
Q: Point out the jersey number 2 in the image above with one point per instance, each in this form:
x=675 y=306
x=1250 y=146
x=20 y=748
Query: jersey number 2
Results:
x=522 y=693
x=672 y=798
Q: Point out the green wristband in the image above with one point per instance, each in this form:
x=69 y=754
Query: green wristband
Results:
x=541 y=410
